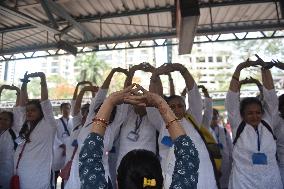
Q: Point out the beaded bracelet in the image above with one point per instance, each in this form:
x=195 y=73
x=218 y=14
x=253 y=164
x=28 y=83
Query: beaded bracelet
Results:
x=104 y=121
x=170 y=122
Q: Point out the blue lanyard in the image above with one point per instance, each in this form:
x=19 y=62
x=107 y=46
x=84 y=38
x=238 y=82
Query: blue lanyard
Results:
x=218 y=135
x=258 y=139
x=138 y=123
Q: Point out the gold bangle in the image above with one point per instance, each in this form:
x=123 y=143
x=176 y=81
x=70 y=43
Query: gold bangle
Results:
x=104 y=121
x=170 y=123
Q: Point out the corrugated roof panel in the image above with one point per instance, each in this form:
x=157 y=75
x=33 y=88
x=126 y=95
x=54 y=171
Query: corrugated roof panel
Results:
x=11 y=21
x=204 y=16
x=149 y=3
x=129 y=5
x=88 y=7
x=139 y=4
x=19 y=38
x=118 y=5
x=94 y=27
x=106 y=30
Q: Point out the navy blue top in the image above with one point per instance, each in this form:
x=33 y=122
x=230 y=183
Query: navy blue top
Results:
x=92 y=173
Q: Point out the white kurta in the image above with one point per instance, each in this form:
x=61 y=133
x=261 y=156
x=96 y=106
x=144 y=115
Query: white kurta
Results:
x=278 y=123
x=146 y=132
x=74 y=179
x=225 y=140
x=7 y=151
x=61 y=137
x=61 y=132
x=244 y=174
x=35 y=166
x=206 y=178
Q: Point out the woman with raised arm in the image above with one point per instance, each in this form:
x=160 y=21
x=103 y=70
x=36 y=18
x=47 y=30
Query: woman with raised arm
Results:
x=74 y=181
x=135 y=131
x=33 y=157
x=8 y=133
x=138 y=168
x=79 y=117
x=254 y=160
x=190 y=119
x=278 y=123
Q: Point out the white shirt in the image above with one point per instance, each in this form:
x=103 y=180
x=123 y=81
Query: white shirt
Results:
x=61 y=133
x=278 y=123
x=35 y=166
x=7 y=151
x=206 y=178
x=146 y=132
x=74 y=179
x=244 y=173
x=224 y=139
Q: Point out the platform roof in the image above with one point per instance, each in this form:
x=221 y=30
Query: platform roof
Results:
x=33 y=25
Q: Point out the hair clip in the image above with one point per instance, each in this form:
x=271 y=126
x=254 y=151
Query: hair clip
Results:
x=149 y=182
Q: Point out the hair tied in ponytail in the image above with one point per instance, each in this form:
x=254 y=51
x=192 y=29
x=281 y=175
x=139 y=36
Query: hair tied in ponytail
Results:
x=149 y=182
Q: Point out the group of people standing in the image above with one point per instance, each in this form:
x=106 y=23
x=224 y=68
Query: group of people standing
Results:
x=135 y=138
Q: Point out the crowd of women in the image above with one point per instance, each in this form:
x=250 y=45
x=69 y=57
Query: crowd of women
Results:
x=137 y=138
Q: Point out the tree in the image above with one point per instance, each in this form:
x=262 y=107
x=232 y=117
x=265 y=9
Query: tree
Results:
x=91 y=68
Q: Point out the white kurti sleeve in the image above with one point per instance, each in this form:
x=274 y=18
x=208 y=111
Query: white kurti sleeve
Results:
x=77 y=121
x=48 y=113
x=232 y=105
x=19 y=115
x=270 y=105
x=208 y=112
x=155 y=117
x=95 y=103
x=195 y=104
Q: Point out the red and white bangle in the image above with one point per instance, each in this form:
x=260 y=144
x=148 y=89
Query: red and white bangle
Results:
x=101 y=120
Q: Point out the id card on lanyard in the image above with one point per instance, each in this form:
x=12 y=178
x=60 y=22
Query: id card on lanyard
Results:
x=134 y=135
x=259 y=158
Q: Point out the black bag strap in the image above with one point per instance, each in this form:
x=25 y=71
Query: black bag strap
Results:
x=267 y=126
x=65 y=126
x=239 y=131
x=242 y=126
x=210 y=155
x=13 y=135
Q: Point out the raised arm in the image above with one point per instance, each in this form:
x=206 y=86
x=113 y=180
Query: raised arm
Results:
x=107 y=81
x=156 y=84
x=23 y=92
x=146 y=67
x=77 y=88
x=208 y=107
x=79 y=98
x=44 y=90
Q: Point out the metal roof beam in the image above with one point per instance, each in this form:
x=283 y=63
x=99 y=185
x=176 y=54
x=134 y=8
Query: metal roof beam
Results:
x=7 y=11
x=233 y=2
x=60 y=11
x=94 y=42
x=97 y=17
x=48 y=13
x=236 y=29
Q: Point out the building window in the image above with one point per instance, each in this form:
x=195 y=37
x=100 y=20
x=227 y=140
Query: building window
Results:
x=54 y=63
x=200 y=59
x=219 y=58
x=210 y=59
x=54 y=70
